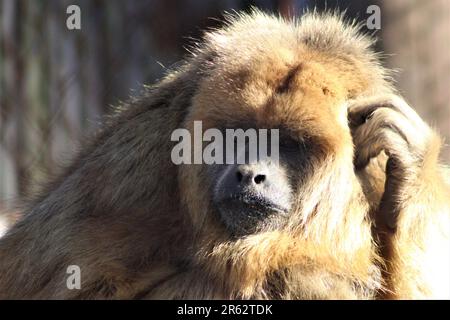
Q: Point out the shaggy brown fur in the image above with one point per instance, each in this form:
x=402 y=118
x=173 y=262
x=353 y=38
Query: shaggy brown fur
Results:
x=141 y=227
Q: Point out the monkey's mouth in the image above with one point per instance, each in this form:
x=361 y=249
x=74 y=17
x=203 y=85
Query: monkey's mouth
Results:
x=244 y=213
x=259 y=204
x=254 y=204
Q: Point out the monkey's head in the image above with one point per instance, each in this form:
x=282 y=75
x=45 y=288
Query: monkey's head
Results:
x=265 y=73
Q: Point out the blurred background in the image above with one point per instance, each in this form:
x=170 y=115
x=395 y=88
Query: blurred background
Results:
x=55 y=83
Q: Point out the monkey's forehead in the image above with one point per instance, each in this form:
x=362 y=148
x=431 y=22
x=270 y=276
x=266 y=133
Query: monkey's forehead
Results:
x=262 y=49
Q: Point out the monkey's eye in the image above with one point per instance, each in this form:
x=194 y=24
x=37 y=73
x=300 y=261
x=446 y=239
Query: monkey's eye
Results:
x=291 y=145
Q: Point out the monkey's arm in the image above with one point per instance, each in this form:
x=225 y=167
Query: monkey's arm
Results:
x=108 y=213
x=412 y=222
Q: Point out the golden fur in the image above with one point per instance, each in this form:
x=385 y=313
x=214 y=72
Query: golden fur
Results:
x=140 y=227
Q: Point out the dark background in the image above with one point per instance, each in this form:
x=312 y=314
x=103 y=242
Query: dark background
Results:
x=55 y=83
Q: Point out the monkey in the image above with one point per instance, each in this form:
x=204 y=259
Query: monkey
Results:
x=357 y=207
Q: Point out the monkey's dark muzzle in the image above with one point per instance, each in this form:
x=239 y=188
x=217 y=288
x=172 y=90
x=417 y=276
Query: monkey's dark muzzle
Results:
x=244 y=213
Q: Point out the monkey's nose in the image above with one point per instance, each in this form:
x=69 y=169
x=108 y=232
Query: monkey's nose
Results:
x=249 y=193
x=250 y=176
x=255 y=185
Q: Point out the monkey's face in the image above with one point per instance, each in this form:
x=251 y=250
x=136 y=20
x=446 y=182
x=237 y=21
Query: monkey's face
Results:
x=305 y=103
x=250 y=195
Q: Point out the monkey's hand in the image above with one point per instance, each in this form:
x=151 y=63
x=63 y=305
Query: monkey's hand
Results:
x=412 y=220
x=387 y=123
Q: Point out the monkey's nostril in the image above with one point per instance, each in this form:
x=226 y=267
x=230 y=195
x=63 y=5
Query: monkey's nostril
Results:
x=239 y=176
x=259 y=178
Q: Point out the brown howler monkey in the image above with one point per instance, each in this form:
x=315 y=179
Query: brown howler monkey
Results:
x=356 y=208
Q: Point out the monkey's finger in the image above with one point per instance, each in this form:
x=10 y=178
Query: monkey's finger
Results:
x=388 y=141
x=386 y=130
x=359 y=111
x=389 y=208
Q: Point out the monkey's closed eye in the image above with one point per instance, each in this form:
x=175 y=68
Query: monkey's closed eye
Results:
x=291 y=145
